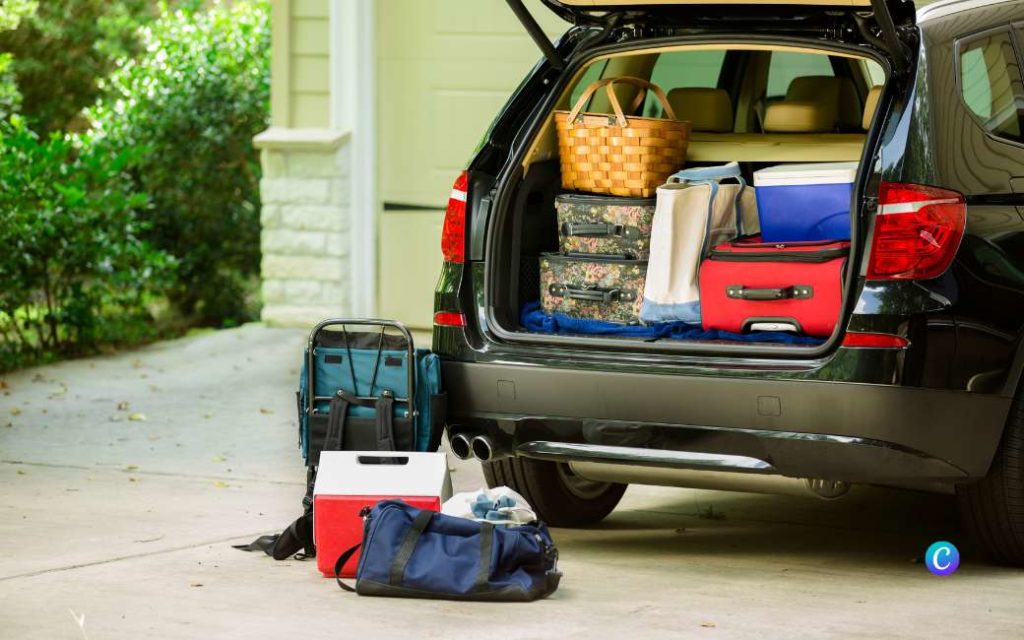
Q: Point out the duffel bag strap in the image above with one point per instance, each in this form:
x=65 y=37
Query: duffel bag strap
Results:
x=404 y=554
x=342 y=559
x=483 y=575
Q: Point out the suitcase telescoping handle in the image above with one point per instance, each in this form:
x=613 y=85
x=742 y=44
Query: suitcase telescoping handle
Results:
x=599 y=230
x=796 y=292
x=593 y=295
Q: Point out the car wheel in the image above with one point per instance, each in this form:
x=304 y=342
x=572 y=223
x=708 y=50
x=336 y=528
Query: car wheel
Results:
x=992 y=509
x=560 y=497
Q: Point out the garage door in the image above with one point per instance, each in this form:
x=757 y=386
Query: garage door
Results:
x=445 y=68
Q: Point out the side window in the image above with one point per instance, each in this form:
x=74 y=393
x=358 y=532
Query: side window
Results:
x=991 y=84
x=684 y=69
x=787 y=65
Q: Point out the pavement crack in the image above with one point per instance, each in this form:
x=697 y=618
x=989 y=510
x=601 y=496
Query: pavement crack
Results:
x=131 y=556
x=143 y=472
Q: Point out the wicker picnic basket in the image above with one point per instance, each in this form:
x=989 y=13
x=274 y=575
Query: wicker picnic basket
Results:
x=616 y=154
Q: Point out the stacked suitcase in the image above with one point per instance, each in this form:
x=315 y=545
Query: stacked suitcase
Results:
x=599 y=272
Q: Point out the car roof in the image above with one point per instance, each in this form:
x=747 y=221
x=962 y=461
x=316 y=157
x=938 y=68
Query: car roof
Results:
x=950 y=7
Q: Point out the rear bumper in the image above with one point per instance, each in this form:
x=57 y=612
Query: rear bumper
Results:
x=799 y=428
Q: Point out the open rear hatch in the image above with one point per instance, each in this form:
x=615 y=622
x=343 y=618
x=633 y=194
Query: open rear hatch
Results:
x=522 y=226
x=888 y=25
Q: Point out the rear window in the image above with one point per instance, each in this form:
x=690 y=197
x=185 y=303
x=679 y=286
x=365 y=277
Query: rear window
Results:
x=787 y=65
x=688 y=69
x=991 y=85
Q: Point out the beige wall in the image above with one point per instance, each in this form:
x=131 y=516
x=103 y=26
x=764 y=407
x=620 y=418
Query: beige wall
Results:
x=445 y=68
x=300 y=93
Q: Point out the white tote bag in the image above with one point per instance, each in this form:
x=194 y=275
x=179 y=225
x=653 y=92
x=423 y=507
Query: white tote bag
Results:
x=694 y=213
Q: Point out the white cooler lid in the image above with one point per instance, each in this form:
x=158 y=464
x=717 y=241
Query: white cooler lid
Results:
x=798 y=174
x=352 y=473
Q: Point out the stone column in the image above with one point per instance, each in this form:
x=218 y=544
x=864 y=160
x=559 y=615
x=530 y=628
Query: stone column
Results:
x=306 y=225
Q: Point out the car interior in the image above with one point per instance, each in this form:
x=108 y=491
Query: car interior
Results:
x=755 y=105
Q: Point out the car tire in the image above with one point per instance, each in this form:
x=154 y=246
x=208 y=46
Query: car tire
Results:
x=992 y=509
x=558 y=496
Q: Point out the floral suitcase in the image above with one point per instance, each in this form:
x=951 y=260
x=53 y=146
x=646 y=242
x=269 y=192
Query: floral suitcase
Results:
x=593 y=287
x=605 y=225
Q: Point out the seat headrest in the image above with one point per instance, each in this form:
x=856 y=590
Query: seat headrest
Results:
x=812 y=88
x=707 y=109
x=871 y=105
x=796 y=116
x=823 y=90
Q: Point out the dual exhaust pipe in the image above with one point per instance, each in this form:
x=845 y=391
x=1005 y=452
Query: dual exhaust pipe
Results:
x=481 y=447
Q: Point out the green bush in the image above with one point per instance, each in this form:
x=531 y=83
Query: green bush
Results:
x=63 y=48
x=194 y=100
x=75 y=272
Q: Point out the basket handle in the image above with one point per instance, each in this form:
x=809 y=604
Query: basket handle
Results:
x=608 y=84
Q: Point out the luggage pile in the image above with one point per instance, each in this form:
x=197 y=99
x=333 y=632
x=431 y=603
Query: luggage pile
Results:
x=605 y=233
x=707 y=250
x=378 y=504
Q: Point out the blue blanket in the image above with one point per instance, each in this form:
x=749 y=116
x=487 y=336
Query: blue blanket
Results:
x=535 y=320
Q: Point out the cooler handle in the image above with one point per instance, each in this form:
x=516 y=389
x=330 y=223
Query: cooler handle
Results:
x=796 y=292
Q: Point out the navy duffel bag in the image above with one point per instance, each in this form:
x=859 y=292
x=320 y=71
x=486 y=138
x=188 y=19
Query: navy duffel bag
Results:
x=414 y=553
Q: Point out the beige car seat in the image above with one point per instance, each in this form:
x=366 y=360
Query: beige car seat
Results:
x=707 y=109
x=828 y=89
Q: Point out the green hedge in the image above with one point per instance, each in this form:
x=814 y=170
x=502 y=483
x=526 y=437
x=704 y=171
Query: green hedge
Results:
x=74 y=268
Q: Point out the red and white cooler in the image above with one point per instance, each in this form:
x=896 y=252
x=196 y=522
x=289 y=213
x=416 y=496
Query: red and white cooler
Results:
x=348 y=481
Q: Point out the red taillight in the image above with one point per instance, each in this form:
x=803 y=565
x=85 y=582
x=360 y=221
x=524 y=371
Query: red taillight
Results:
x=453 y=234
x=918 y=230
x=449 y=319
x=859 y=340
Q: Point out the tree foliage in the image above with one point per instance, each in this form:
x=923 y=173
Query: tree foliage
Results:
x=194 y=100
x=63 y=48
x=12 y=12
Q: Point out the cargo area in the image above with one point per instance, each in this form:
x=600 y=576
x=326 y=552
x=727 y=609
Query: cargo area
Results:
x=769 y=112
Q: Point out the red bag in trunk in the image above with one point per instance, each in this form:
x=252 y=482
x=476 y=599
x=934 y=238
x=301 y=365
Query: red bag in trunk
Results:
x=750 y=285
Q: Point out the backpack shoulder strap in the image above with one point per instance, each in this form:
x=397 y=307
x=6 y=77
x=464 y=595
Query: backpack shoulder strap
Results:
x=385 y=422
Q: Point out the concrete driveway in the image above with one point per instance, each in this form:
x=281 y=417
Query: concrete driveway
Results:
x=124 y=481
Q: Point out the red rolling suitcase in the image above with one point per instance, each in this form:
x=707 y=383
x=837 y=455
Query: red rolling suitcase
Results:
x=750 y=285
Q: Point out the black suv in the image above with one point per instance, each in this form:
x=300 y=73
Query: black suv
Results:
x=919 y=385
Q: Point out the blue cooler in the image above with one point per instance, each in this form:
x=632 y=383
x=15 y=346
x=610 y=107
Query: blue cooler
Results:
x=798 y=202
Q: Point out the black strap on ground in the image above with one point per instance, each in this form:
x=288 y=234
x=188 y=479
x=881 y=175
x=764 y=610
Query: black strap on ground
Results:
x=419 y=525
x=340 y=564
x=483 y=574
x=297 y=537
